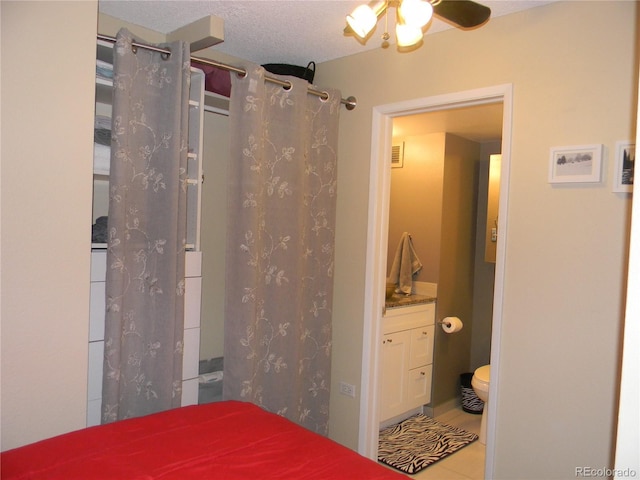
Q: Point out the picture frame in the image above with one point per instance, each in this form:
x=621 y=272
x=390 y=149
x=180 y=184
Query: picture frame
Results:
x=576 y=164
x=624 y=167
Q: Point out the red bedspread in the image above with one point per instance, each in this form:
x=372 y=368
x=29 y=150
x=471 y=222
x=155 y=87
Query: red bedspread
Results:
x=225 y=440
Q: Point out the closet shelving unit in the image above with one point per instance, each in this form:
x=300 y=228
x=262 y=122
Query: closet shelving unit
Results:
x=193 y=266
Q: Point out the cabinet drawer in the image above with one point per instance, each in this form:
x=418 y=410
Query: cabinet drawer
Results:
x=421 y=350
x=406 y=318
x=192 y=295
x=191 y=355
x=419 y=386
x=193 y=264
x=94 y=412
x=96 y=311
x=190 y=392
x=96 y=361
x=98 y=265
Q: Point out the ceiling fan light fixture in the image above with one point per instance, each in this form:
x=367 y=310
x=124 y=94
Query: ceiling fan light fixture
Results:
x=416 y=13
x=362 y=20
x=407 y=35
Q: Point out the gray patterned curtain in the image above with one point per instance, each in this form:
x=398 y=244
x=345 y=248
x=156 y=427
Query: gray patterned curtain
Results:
x=147 y=222
x=280 y=249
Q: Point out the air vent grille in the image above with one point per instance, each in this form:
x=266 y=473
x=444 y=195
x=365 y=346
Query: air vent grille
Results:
x=397 y=155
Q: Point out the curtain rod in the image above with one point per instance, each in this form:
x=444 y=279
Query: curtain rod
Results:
x=349 y=102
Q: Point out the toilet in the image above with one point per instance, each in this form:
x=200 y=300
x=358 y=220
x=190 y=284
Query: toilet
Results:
x=480 y=385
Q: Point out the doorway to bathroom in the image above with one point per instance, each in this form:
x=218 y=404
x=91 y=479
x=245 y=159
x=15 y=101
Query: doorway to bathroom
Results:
x=439 y=193
x=377 y=246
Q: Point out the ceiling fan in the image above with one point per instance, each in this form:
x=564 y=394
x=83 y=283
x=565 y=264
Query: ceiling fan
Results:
x=413 y=15
x=464 y=13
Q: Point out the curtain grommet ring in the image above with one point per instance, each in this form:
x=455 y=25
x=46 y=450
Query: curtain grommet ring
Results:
x=324 y=97
x=288 y=87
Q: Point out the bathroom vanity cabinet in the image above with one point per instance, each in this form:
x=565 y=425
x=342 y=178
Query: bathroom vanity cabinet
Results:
x=407 y=357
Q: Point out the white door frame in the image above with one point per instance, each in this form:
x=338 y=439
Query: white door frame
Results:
x=376 y=252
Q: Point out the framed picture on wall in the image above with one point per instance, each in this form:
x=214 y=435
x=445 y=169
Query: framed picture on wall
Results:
x=575 y=164
x=624 y=166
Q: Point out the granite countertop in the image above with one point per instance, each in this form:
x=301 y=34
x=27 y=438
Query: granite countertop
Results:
x=401 y=300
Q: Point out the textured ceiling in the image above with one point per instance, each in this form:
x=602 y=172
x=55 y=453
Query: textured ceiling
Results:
x=298 y=31
x=275 y=31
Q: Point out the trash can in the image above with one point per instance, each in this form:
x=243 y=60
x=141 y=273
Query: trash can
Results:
x=470 y=401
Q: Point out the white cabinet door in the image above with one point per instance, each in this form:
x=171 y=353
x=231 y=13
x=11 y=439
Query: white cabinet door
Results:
x=395 y=365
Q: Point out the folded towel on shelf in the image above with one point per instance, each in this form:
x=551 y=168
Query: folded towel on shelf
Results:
x=102 y=121
x=99 y=230
x=210 y=377
x=101 y=159
x=405 y=265
x=104 y=69
x=102 y=136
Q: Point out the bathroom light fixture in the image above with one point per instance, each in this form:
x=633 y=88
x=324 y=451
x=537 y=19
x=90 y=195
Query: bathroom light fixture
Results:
x=413 y=15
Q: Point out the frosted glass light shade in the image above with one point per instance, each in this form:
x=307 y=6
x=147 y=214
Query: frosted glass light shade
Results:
x=407 y=35
x=416 y=13
x=362 y=20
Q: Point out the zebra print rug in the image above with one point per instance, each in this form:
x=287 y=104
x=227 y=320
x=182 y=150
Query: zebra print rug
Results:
x=418 y=442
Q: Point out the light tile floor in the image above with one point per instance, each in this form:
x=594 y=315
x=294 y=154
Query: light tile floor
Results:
x=468 y=462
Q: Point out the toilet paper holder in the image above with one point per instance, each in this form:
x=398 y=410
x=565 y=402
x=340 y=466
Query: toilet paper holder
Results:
x=451 y=324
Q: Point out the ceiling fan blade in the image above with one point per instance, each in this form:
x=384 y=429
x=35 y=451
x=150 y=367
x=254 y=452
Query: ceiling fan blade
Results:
x=464 y=13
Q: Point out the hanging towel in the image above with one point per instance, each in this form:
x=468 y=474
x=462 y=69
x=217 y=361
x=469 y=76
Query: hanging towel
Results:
x=405 y=265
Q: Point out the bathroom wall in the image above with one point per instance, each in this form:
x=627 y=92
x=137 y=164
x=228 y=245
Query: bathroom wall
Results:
x=434 y=197
x=483 y=271
x=455 y=282
x=415 y=203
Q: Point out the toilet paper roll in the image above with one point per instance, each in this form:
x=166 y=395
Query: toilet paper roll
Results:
x=451 y=324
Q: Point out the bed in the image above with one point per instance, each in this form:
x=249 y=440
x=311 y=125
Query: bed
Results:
x=222 y=440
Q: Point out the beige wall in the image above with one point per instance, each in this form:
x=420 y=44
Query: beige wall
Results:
x=573 y=70
x=213 y=233
x=415 y=203
x=48 y=72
